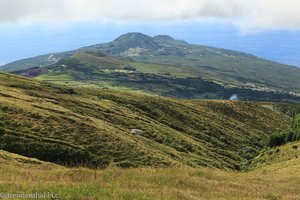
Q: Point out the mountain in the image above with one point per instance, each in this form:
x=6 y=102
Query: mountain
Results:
x=133 y=40
x=227 y=68
x=93 y=127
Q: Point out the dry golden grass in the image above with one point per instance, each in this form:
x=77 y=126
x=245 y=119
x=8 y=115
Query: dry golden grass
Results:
x=272 y=181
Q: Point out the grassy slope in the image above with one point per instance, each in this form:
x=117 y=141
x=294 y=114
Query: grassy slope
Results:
x=90 y=126
x=280 y=159
x=89 y=70
x=237 y=70
x=278 y=179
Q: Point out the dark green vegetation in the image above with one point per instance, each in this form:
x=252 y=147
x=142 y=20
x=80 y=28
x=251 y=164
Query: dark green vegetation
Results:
x=280 y=138
x=85 y=126
x=165 y=66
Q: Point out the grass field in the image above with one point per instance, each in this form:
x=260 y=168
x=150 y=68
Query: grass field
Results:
x=278 y=179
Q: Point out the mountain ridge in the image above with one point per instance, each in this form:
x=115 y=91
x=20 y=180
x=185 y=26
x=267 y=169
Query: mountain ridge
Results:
x=5 y=67
x=227 y=67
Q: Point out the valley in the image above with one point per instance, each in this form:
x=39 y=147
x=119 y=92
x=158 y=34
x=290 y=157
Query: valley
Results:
x=93 y=126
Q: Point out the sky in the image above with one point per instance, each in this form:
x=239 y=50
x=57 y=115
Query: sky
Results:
x=266 y=28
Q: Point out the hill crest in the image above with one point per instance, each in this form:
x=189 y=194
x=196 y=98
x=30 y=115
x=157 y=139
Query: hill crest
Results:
x=225 y=67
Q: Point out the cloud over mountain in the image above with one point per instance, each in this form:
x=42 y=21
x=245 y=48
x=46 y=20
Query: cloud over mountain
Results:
x=246 y=14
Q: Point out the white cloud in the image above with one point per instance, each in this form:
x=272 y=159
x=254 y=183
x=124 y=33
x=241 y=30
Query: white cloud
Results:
x=246 y=14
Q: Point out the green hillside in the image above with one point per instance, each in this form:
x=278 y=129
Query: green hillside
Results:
x=90 y=69
x=94 y=142
x=281 y=158
x=225 y=67
x=38 y=61
x=85 y=126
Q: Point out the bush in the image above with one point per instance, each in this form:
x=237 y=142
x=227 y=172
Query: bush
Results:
x=296 y=122
x=289 y=137
x=276 y=139
x=129 y=68
x=296 y=136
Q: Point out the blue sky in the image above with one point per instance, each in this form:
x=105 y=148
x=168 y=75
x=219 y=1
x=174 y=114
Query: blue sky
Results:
x=28 y=28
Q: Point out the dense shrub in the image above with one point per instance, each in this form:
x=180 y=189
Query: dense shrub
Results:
x=129 y=68
x=296 y=122
x=278 y=139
